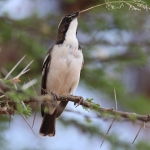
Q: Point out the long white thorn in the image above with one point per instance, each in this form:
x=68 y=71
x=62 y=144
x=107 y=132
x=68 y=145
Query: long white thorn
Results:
x=29 y=84
x=2 y=96
x=23 y=71
x=15 y=67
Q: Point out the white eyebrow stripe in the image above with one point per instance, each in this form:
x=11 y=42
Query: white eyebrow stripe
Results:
x=45 y=60
x=60 y=22
x=70 y=16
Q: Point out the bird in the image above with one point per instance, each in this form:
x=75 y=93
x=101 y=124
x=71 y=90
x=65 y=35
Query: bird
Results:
x=61 y=71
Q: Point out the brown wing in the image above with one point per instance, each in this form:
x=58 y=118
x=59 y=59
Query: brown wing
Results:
x=45 y=70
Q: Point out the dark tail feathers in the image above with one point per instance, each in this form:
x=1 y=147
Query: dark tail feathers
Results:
x=48 y=125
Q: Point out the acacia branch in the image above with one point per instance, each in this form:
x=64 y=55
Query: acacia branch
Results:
x=9 y=106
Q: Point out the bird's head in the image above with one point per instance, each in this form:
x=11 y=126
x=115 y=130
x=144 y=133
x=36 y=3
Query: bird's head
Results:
x=67 y=21
x=68 y=24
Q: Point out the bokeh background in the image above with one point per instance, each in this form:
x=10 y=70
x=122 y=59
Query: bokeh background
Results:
x=115 y=45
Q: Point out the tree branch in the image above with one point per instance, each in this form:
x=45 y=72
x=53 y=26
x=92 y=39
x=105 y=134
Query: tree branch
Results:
x=9 y=106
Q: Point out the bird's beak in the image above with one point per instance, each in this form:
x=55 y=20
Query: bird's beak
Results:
x=75 y=15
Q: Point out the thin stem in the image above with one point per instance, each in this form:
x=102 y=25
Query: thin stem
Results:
x=36 y=103
x=23 y=71
x=107 y=132
x=28 y=124
x=109 y=3
x=138 y=133
x=15 y=67
x=115 y=99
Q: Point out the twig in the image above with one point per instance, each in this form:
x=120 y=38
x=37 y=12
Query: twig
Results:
x=35 y=114
x=5 y=72
x=25 y=70
x=77 y=99
x=96 y=6
x=112 y=120
x=107 y=132
x=105 y=118
x=23 y=105
x=36 y=103
x=122 y=1
x=14 y=67
x=115 y=99
x=28 y=123
x=138 y=133
x=43 y=89
x=29 y=84
x=2 y=96
x=21 y=101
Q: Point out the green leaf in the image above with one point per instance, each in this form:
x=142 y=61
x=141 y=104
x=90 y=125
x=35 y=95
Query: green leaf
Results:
x=95 y=106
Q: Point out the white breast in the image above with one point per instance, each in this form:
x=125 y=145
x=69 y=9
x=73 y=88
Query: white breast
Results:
x=64 y=73
x=65 y=67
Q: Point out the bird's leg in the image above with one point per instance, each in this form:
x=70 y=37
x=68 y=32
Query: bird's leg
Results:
x=55 y=97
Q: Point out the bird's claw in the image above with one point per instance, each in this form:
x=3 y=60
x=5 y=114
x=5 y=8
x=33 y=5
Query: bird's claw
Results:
x=81 y=100
x=55 y=97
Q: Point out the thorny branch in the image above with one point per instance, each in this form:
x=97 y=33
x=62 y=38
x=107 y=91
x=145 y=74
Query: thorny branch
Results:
x=8 y=106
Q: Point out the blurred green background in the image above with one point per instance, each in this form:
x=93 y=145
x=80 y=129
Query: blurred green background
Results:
x=115 y=46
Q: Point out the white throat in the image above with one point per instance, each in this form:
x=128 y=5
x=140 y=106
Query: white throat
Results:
x=71 y=33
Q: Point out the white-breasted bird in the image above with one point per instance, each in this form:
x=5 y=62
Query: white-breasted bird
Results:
x=61 y=71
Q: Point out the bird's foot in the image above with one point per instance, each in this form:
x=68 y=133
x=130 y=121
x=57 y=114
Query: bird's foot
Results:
x=54 y=95
x=81 y=100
